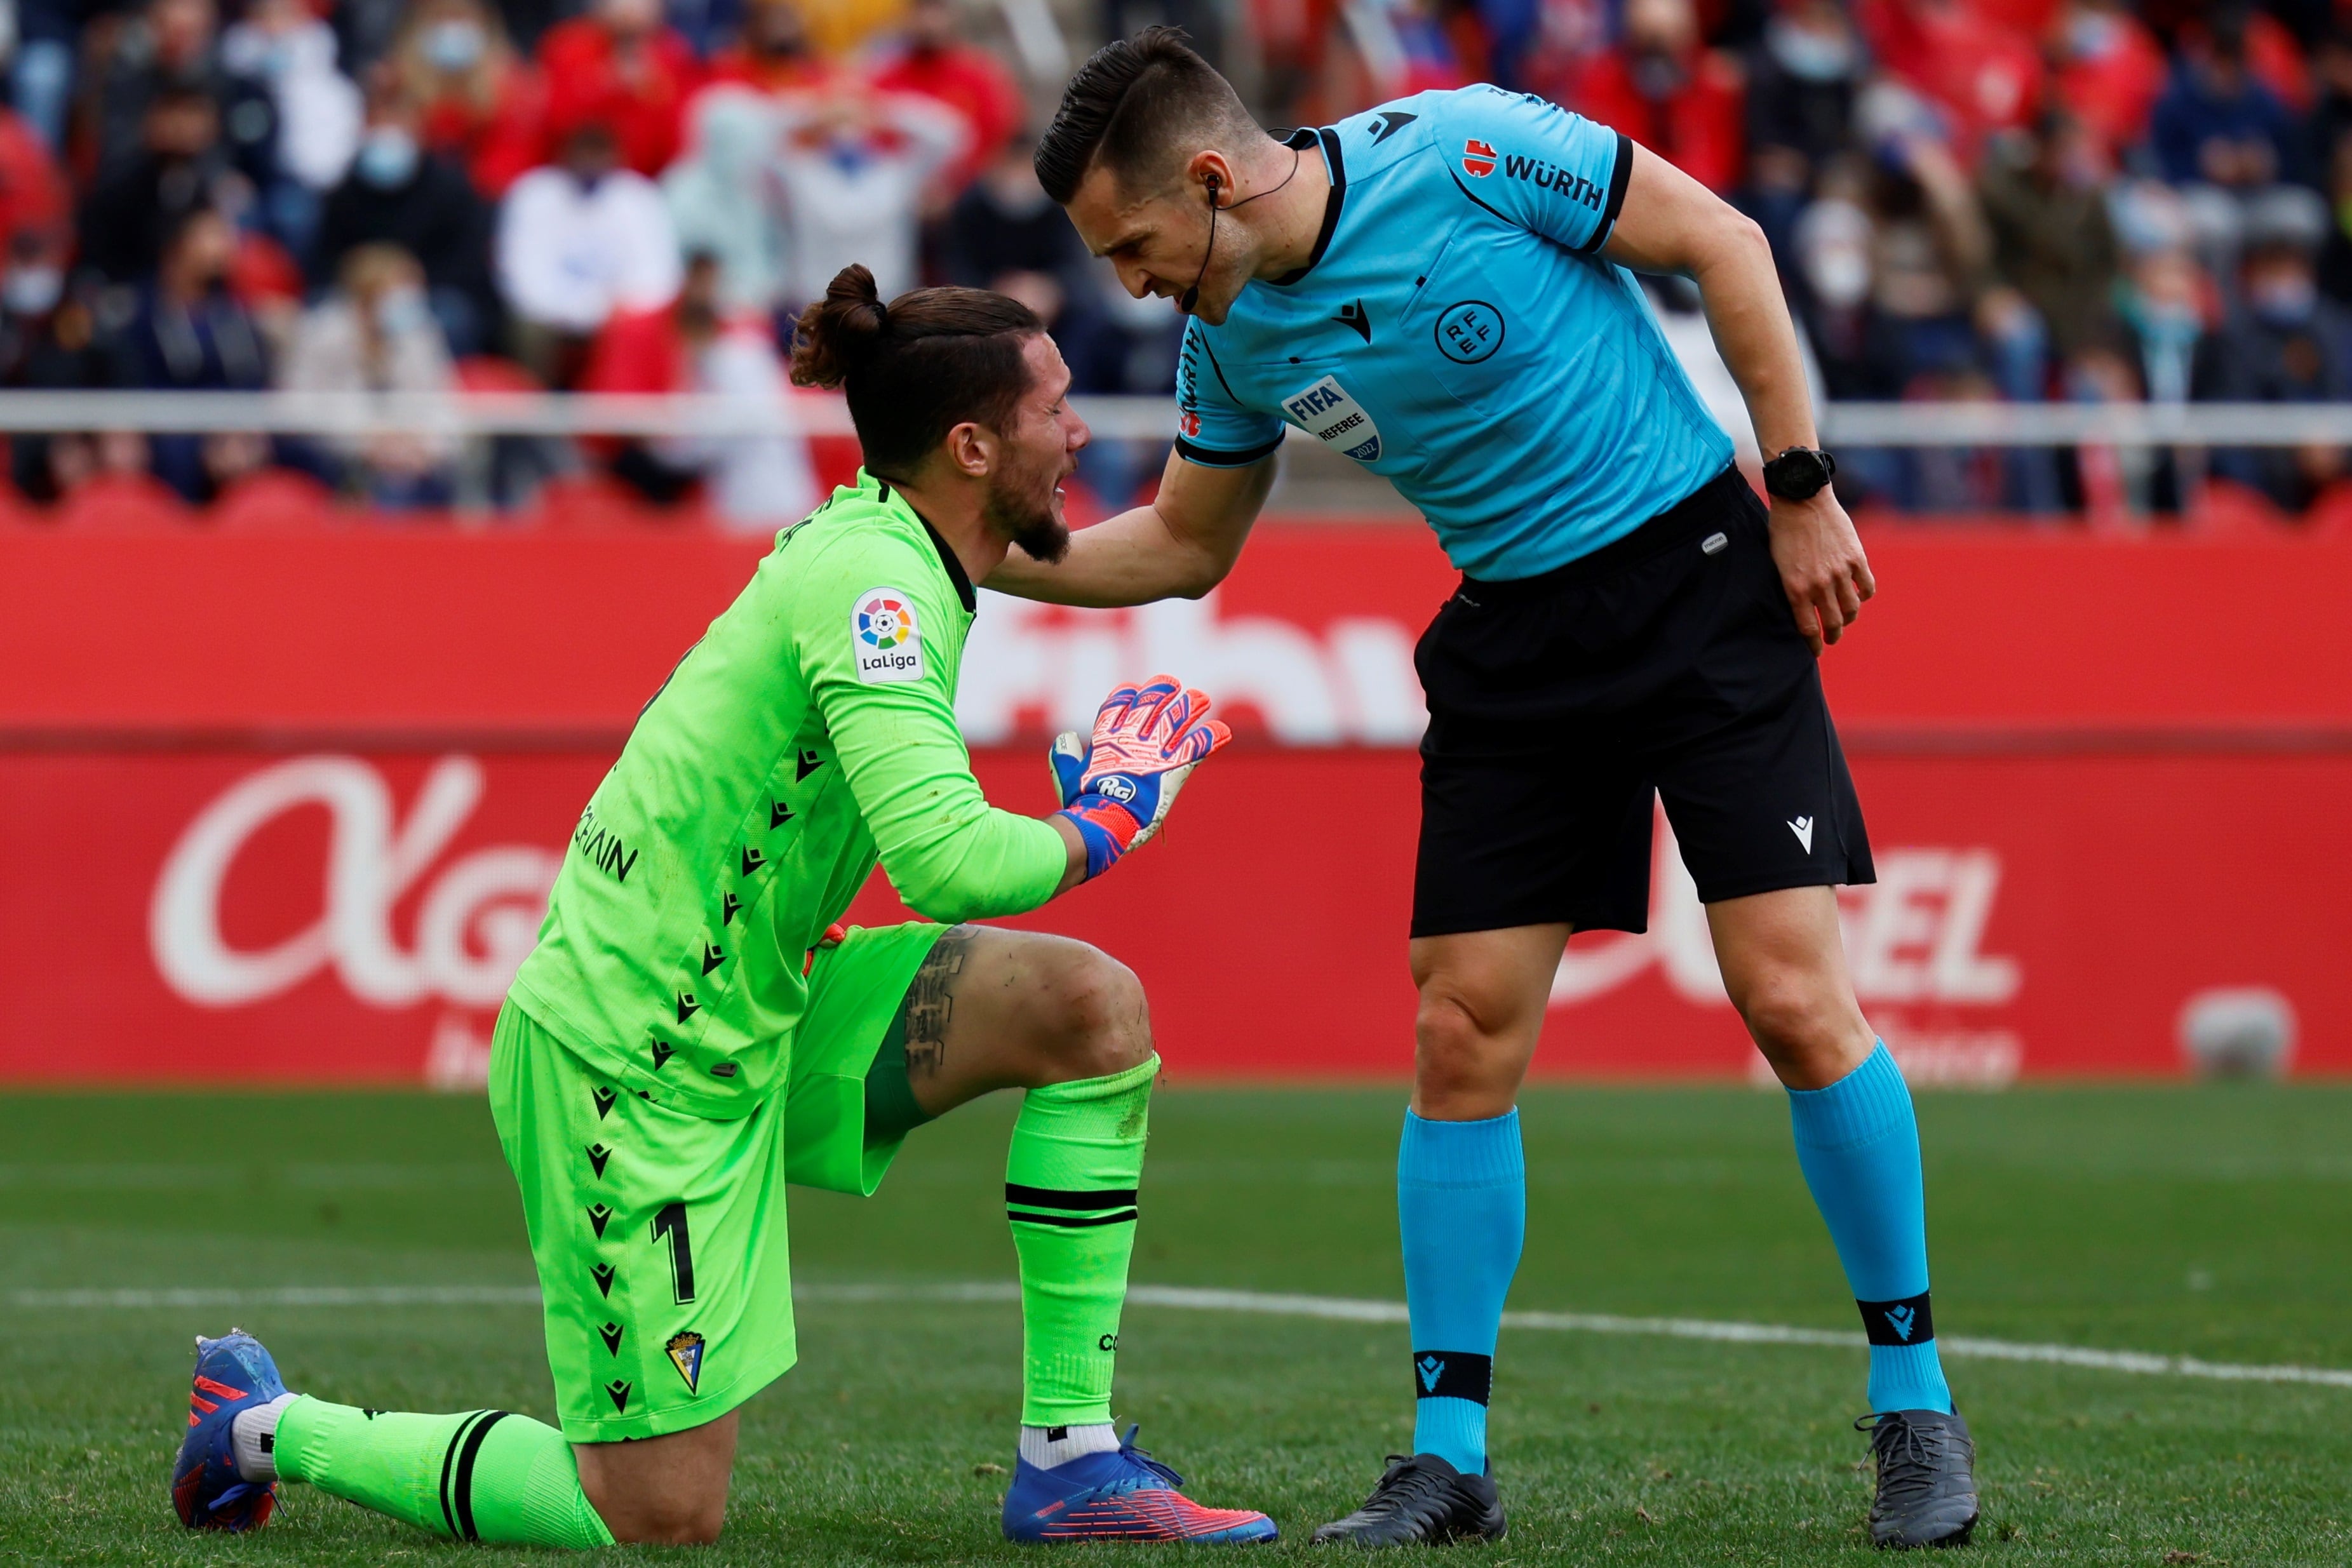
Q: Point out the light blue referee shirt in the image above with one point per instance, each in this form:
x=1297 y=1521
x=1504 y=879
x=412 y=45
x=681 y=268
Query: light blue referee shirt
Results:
x=1457 y=331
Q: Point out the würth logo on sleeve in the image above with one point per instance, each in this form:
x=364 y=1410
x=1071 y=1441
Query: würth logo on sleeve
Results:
x=1477 y=158
x=884 y=638
x=1549 y=176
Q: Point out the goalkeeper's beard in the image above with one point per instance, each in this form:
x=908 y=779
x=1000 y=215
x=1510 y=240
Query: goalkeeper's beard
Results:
x=1024 y=508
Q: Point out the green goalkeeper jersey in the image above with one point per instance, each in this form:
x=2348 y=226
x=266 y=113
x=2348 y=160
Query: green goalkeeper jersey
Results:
x=810 y=732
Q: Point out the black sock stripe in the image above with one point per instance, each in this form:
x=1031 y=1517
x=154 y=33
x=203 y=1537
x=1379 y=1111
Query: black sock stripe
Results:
x=1068 y=1197
x=1121 y=1217
x=1906 y=1320
x=465 y=1485
x=450 y=1463
x=1453 y=1374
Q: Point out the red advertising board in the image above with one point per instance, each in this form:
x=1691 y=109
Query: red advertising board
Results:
x=283 y=809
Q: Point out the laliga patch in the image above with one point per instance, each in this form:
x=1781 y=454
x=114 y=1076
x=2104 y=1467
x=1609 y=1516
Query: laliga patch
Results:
x=885 y=638
x=1325 y=412
x=685 y=1354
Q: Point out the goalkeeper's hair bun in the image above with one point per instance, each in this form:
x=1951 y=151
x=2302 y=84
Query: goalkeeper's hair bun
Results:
x=913 y=370
x=841 y=331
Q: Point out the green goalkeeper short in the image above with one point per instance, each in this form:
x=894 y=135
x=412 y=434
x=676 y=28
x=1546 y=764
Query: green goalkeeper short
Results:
x=663 y=1264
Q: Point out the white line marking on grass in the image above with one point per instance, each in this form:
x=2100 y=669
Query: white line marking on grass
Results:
x=285 y=1296
x=1330 y=1309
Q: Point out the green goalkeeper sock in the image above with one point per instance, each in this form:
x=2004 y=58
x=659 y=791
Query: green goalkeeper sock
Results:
x=1070 y=1181
x=482 y=1476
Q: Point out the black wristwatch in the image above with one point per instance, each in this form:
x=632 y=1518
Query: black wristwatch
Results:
x=1798 y=473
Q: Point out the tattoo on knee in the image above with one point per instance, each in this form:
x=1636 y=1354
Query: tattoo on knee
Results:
x=931 y=1000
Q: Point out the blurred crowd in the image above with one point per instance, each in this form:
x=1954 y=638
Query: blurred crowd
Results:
x=2012 y=199
x=421 y=195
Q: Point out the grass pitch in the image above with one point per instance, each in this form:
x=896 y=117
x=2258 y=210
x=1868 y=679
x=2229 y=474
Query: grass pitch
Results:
x=2215 y=1223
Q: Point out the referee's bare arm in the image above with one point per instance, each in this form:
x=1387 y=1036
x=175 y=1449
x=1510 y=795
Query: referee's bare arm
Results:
x=1671 y=223
x=1178 y=546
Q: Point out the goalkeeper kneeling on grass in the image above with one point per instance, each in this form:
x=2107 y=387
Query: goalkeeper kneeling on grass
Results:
x=690 y=1035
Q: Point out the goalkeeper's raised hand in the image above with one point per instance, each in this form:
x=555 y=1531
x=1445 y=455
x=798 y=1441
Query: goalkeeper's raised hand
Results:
x=1117 y=785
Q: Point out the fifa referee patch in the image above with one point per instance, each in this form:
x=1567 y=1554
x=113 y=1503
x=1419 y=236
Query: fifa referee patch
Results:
x=1325 y=412
x=885 y=636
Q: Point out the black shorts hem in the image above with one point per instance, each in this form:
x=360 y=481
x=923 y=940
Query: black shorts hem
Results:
x=1469 y=924
x=1780 y=882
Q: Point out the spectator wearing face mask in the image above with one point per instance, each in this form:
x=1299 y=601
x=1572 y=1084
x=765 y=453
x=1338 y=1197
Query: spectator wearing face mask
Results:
x=33 y=197
x=1799 y=109
x=2285 y=342
x=400 y=194
x=189 y=333
x=2109 y=72
x=577 y=241
x=621 y=69
x=1662 y=87
x=854 y=165
x=374 y=333
x=771 y=53
x=696 y=345
x=284 y=44
x=930 y=59
x=479 y=103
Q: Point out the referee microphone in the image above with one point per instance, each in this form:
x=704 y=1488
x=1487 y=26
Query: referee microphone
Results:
x=1215 y=182
x=1192 y=294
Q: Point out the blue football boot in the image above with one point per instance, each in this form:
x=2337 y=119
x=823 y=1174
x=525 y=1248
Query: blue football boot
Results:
x=233 y=1374
x=1122 y=1495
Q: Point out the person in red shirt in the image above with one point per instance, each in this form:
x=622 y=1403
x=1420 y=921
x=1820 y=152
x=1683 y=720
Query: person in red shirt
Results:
x=1985 y=75
x=478 y=102
x=619 y=67
x=931 y=60
x=2110 y=71
x=1659 y=85
x=773 y=53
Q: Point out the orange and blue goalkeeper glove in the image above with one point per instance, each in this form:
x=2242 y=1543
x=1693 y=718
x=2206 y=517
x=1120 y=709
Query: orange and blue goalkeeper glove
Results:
x=1117 y=787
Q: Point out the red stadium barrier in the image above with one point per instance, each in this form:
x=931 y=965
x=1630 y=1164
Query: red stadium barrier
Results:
x=281 y=807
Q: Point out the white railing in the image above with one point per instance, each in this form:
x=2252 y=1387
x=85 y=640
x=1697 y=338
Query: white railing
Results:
x=1115 y=418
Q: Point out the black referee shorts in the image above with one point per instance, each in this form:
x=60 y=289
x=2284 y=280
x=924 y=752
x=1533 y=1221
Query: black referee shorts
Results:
x=1668 y=661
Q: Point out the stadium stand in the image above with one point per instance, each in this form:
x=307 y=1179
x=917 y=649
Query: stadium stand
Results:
x=1975 y=201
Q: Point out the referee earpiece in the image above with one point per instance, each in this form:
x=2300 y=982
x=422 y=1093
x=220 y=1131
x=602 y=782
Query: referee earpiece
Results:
x=1192 y=294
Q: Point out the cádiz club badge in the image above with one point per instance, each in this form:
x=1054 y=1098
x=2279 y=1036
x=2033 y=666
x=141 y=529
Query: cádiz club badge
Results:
x=1325 y=412
x=685 y=1354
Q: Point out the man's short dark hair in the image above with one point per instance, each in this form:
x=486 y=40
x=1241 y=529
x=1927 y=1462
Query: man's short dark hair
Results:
x=1132 y=107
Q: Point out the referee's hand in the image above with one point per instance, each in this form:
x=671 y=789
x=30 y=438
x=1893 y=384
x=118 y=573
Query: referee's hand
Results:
x=1822 y=569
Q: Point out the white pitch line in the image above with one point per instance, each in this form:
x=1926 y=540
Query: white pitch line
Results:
x=1330 y=1309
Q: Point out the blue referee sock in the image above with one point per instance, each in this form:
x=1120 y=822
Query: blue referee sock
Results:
x=1858 y=1142
x=1462 y=1207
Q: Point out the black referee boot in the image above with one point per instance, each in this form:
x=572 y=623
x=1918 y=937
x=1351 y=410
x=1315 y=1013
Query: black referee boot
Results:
x=1422 y=1499
x=1927 y=1492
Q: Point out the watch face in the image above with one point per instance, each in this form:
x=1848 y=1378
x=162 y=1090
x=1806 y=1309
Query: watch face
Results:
x=1797 y=474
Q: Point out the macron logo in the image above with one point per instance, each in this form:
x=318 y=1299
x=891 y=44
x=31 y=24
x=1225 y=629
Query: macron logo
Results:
x=1431 y=1370
x=1804 y=828
x=1900 y=1319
